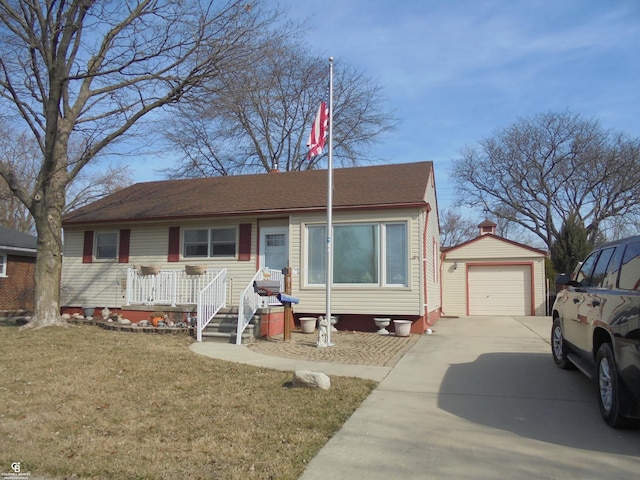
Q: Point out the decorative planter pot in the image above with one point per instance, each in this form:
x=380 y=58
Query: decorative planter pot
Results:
x=195 y=269
x=382 y=324
x=149 y=269
x=155 y=320
x=89 y=311
x=308 y=324
x=403 y=327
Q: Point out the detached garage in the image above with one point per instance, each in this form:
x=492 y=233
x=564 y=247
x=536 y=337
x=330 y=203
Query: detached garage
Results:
x=491 y=275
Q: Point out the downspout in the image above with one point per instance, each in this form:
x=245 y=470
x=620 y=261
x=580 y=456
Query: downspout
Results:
x=425 y=257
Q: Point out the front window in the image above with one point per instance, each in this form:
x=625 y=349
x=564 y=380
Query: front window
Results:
x=214 y=242
x=106 y=245
x=3 y=265
x=363 y=254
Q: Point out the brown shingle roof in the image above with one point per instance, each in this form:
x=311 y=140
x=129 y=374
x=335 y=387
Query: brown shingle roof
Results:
x=373 y=186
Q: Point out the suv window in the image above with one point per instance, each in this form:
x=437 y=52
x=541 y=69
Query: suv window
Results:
x=585 y=271
x=600 y=270
x=611 y=278
x=630 y=269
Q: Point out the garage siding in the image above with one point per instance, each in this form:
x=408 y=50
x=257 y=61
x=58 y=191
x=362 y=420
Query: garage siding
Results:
x=499 y=289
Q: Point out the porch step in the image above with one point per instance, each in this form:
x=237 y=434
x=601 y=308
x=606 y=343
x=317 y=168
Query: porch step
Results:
x=224 y=326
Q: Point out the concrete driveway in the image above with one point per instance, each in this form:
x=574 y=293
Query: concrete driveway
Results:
x=480 y=399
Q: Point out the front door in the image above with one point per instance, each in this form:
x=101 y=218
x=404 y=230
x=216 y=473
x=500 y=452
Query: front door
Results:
x=274 y=247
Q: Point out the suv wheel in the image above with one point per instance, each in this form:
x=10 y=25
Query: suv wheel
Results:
x=608 y=387
x=558 y=347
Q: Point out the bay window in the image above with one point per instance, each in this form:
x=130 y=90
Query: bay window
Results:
x=363 y=254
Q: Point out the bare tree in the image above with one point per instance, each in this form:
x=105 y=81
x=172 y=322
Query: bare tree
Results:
x=542 y=169
x=85 y=72
x=456 y=229
x=21 y=154
x=258 y=119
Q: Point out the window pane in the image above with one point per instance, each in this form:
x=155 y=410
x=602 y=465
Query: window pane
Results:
x=396 y=250
x=3 y=265
x=585 y=270
x=106 y=245
x=195 y=243
x=223 y=242
x=317 y=255
x=630 y=269
x=355 y=254
x=600 y=270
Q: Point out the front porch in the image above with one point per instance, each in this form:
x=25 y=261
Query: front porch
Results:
x=200 y=296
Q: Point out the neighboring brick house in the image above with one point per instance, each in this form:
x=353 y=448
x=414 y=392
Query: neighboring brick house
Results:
x=17 y=265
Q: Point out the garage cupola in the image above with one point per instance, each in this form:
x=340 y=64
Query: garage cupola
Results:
x=487 y=227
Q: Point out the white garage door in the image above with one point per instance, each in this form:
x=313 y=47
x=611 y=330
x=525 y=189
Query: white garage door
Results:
x=500 y=290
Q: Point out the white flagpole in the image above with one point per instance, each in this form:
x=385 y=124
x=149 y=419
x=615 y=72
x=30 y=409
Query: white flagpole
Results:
x=329 y=278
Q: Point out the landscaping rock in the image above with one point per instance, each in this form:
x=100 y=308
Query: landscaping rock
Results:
x=307 y=379
x=124 y=321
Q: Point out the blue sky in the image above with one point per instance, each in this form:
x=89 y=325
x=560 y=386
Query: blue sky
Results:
x=454 y=71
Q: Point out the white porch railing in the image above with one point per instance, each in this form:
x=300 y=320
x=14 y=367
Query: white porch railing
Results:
x=211 y=299
x=168 y=287
x=250 y=301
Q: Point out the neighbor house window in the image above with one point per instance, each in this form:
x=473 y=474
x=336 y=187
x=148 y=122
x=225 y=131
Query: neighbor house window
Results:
x=363 y=254
x=212 y=242
x=106 y=245
x=3 y=265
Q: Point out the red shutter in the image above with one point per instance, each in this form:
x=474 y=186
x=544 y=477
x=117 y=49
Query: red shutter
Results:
x=123 y=249
x=174 y=244
x=244 y=244
x=87 y=250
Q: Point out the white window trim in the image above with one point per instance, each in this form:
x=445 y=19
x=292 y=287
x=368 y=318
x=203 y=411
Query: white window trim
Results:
x=96 y=234
x=209 y=229
x=3 y=265
x=382 y=258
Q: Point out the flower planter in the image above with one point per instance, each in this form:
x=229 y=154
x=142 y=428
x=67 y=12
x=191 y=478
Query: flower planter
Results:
x=403 y=327
x=382 y=324
x=308 y=324
x=149 y=269
x=89 y=311
x=195 y=269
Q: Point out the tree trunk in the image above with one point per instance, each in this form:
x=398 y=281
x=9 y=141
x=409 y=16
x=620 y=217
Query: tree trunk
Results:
x=48 y=270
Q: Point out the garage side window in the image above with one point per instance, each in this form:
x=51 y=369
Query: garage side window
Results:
x=630 y=269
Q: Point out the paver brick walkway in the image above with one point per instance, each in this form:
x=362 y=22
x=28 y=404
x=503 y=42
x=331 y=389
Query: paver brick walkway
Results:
x=354 y=348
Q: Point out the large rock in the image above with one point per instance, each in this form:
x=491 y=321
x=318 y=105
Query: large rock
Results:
x=307 y=379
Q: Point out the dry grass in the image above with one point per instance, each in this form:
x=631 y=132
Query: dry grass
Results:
x=96 y=404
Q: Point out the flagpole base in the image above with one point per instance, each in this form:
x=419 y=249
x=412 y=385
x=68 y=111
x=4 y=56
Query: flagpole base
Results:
x=323 y=334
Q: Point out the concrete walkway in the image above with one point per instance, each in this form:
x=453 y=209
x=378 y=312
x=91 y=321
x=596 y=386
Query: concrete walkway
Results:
x=479 y=399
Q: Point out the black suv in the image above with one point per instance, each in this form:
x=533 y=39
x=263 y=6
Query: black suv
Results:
x=596 y=326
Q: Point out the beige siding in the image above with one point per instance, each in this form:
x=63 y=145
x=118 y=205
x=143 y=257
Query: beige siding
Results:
x=103 y=283
x=432 y=239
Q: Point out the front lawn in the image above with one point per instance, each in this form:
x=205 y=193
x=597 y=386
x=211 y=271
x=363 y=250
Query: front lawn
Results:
x=95 y=404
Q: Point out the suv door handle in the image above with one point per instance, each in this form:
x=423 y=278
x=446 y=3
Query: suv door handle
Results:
x=595 y=303
x=576 y=300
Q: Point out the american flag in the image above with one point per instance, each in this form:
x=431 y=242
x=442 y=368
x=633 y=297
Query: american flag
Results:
x=318 y=131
